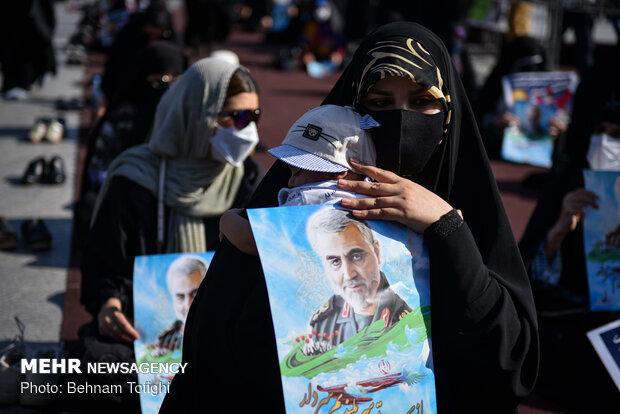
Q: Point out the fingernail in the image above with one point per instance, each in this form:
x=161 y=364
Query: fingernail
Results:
x=355 y=160
x=345 y=201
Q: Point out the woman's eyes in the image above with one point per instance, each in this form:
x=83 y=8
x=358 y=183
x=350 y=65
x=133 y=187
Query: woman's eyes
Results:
x=380 y=103
x=417 y=102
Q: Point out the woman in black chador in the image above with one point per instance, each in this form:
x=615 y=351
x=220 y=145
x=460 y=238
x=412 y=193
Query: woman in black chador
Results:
x=430 y=162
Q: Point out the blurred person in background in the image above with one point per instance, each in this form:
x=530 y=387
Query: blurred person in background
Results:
x=208 y=21
x=553 y=251
x=520 y=54
x=127 y=121
x=145 y=26
x=26 y=50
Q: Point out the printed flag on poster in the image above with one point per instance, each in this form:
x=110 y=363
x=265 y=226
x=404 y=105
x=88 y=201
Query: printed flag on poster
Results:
x=350 y=303
x=537 y=100
x=164 y=287
x=601 y=232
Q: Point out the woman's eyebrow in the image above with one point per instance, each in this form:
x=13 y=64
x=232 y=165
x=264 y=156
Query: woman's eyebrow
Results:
x=380 y=92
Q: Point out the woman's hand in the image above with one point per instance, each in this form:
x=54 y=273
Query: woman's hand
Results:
x=507 y=119
x=557 y=127
x=394 y=198
x=574 y=206
x=113 y=324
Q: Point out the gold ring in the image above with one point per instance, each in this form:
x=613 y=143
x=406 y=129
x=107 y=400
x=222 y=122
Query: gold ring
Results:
x=114 y=328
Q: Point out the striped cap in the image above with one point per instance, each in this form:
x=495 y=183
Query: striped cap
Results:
x=325 y=138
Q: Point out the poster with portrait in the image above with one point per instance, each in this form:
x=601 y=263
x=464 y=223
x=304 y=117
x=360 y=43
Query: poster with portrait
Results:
x=606 y=341
x=538 y=101
x=350 y=303
x=601 y=235
x=164 y=288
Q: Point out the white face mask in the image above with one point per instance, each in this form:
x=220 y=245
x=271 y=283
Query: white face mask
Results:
x=604 y=153
x=233 y=145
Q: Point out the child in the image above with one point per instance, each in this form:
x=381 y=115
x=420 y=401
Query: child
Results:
x=317 y=149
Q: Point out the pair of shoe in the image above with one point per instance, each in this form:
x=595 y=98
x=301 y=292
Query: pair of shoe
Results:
x=8 y=237
x=40 y=171
x=73 y=104
x=16 y=94
x=35 y=234
x=76 y=54
x=53 y=130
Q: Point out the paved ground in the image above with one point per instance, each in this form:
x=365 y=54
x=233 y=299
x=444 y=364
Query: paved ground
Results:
x=33 y=284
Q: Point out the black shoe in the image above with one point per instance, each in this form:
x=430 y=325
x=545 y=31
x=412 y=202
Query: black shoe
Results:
x=55 y=171
x=8 y=237
x=35 y=235
x=34 y=171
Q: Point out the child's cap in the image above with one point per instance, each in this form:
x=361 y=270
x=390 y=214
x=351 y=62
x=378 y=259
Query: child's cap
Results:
x=324 y=138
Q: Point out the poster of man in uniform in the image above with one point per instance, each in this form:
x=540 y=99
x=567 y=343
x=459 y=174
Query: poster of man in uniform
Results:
x=350 y=302
x=164 y=287
x=602 y=240
x=538 y=102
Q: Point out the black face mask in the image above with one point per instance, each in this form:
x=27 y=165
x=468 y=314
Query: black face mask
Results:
x=406 y=140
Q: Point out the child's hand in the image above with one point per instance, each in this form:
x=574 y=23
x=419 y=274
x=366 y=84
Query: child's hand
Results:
x=226 y=220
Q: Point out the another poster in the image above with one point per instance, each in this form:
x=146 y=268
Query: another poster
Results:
x=601 y=232
x=164 y=288
x=606 y=342
x=538 y=101
x=350 y=303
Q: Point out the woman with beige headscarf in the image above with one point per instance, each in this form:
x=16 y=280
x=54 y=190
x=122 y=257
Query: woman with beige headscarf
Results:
x=167 y=195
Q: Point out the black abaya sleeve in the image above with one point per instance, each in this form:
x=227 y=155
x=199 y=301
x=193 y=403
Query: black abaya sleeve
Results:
x=124 y=228
x=485 y=347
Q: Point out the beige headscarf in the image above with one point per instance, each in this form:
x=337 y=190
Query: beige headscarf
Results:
x=193 y=187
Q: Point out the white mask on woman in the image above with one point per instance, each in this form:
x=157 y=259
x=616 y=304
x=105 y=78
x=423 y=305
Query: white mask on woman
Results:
x=233 y=145
x=604 y=153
